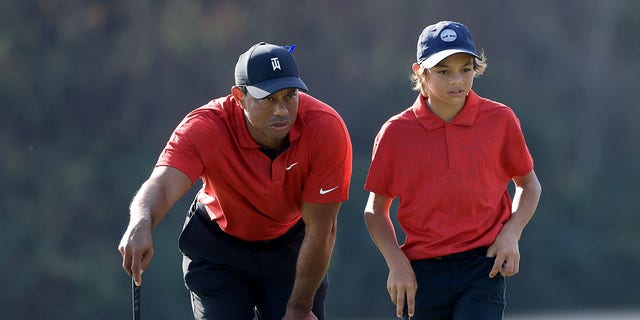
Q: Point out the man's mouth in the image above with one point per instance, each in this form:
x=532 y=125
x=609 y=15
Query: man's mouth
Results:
x=279 y=125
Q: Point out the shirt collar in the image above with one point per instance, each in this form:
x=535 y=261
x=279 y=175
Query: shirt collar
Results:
x=429 y=120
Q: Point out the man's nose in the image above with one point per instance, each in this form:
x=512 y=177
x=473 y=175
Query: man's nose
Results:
x=280 y=109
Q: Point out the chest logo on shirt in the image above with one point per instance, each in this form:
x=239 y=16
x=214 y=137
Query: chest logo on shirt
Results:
x=323 y=191
x=289 y=167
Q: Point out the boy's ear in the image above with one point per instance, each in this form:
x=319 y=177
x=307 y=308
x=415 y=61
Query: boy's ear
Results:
x=416 y=68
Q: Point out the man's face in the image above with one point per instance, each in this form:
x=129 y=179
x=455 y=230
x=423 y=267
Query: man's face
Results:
x=270 y=119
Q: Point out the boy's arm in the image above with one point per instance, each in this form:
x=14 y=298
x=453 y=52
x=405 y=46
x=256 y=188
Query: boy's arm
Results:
x=401 y=283
x=505 y=248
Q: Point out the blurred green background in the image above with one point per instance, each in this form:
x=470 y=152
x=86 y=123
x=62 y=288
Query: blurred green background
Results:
x=91 y=90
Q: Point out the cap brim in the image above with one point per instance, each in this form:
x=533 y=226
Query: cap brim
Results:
x=265 y=88
x=437 y=57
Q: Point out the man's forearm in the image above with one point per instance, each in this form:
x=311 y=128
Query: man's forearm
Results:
x=144 y=207
x=312 y=266
x=157 y=195
x=148 y=205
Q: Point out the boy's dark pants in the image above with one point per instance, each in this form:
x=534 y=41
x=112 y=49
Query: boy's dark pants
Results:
x=458 y=287
x=228 y=277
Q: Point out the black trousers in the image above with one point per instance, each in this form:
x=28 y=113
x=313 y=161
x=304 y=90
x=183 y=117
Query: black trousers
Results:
x=230 y=278
x=458 y=287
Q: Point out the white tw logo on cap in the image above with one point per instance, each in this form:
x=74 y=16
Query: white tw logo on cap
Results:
x=275 y=64
x=448 y=35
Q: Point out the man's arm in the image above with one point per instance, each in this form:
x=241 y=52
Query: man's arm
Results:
x=401 y=283
x=314 y=257
x=156 y=196
x=505 y=248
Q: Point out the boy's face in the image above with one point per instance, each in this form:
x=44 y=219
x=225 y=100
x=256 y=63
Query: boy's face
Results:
x=270 y=119
x=449 y=81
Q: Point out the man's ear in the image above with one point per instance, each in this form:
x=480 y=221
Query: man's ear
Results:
x=238 y=95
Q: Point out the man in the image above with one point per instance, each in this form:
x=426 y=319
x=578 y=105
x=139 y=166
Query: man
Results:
x=449 y=159
x=275 y=165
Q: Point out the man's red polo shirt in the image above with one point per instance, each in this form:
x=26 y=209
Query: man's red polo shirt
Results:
x=249 y=195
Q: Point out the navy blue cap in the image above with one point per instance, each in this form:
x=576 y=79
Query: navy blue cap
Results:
x=443 y=39
x=266 y=68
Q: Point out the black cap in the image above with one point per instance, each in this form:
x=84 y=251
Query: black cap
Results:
x=266 y=68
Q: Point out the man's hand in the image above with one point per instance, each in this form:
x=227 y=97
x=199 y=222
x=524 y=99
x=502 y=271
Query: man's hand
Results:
x=156 y=196
x=299 y=315
x=136 y=248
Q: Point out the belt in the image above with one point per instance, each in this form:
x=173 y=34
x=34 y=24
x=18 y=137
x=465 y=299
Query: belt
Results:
x=198 y=209
x=469 y=254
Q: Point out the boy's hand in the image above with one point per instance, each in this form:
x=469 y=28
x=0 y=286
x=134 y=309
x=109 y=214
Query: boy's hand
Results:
x=505 y=250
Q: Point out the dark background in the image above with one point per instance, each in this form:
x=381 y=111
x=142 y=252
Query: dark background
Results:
x=91 y=90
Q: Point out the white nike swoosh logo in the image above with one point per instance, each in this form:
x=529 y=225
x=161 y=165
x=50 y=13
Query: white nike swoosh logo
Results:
x=290 y=166
x=322 y=191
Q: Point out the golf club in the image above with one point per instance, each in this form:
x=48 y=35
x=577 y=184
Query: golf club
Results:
x=135 y=296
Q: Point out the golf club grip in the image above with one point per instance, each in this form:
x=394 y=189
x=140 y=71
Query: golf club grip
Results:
x=135 y=295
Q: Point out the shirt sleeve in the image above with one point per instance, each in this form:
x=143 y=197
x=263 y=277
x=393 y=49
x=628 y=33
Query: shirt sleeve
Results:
x=331 y=160
x=376 y=181
x=517 y=160
x=181 y=151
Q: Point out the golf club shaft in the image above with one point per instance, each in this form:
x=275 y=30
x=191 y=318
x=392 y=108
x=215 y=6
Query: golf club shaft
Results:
x=135 y=295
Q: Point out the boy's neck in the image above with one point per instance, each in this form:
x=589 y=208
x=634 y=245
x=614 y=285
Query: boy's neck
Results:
x=443 y=111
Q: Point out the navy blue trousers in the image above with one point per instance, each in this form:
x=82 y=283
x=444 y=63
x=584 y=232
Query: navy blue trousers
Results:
x=458 y=287
x=229 y=278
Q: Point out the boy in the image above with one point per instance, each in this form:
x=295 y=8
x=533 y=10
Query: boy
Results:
x=449 y=159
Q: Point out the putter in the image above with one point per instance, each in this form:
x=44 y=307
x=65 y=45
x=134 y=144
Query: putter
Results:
x=135 y=296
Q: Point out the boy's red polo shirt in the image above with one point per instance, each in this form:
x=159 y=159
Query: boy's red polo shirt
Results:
x=246 y=193
x=451 y=178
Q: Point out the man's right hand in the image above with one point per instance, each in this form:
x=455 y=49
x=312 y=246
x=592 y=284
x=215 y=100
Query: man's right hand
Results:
x=156 y=196
x=136 y=248
x=299 y=315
